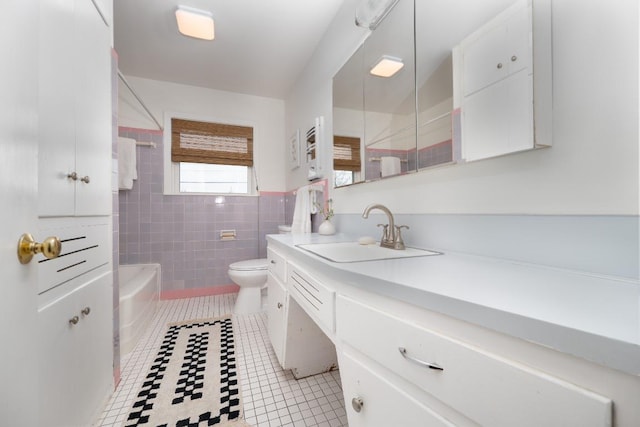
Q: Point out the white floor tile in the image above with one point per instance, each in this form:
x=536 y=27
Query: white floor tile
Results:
x=271 y=396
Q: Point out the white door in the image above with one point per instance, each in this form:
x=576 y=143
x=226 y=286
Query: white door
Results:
x=18 y=202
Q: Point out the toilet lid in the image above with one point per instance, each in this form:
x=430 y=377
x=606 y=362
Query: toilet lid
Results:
x=250 y=265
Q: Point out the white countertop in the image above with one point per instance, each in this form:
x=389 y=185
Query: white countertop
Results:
x=593 y=317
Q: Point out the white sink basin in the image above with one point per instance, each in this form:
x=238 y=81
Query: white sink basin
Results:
x=355 y=252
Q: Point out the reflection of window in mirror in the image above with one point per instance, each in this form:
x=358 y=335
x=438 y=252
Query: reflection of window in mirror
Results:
x=347 y=162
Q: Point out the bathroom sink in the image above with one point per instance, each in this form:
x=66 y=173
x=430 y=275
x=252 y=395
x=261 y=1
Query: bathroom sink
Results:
x=355 y=252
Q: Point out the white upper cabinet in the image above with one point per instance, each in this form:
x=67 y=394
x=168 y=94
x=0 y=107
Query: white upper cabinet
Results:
x=499 y=49
x=497 y=85
x=74 y=161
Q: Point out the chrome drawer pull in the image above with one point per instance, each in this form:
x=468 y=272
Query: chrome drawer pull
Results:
x=403 y=352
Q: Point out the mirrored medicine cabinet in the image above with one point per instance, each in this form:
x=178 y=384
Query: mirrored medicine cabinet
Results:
x=463 y=90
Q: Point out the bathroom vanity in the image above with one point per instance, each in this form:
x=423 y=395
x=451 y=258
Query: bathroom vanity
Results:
x=456 y=339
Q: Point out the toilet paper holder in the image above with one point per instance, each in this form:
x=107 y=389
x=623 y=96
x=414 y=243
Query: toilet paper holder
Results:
x=227 y=234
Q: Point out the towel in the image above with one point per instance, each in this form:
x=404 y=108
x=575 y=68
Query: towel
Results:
x=126 y=163
x=313 y=200
x=389 y=166
x=302 y=211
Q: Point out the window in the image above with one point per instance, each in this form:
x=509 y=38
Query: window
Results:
x=206 y=178
x=346 y=159
x=211 y=157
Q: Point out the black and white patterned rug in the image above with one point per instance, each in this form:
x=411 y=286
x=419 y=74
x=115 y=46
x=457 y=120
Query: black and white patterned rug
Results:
x=193 y=382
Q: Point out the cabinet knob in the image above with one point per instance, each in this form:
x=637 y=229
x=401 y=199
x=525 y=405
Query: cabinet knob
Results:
x=72 y=176
x=85 y=311
x=514 y=58
x=85 y=179
x=499 y=66
x=273 y=261
x=279 y=305
x=27 y=248
x=74 y=320
x=357 y=403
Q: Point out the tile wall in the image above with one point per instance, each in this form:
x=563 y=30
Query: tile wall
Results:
x=181 y=232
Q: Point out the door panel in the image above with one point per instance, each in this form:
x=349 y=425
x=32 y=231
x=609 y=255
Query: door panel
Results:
x=18 y=192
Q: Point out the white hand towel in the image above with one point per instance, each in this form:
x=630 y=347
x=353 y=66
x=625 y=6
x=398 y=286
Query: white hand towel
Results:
x=389 y=165
x=313 y=200
x=302 y=211
x=126 y=163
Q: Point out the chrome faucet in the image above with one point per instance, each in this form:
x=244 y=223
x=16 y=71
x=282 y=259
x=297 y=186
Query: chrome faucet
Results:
x=391 y=233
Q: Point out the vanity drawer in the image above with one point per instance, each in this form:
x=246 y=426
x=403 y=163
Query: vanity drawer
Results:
x=369 y=396
x=315 y=298
x=466 y=378
x=277 y=265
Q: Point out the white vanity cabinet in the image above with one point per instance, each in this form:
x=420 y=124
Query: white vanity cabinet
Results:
x=299 y=341
x=75 y=121
x=484 y=387
x=497 y=85
x=404 y=360
x=75 y=362
x=277 y=303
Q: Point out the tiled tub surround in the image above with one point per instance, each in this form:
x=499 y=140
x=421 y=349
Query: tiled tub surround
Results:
x=182 y=232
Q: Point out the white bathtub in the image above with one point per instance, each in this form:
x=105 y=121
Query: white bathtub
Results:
x=139 y=295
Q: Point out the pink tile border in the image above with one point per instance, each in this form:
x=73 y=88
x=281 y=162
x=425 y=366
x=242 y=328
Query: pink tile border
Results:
x=130 y=129
x=199 y=292
x=273 y=193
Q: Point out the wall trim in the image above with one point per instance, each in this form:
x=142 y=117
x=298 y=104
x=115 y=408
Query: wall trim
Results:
x=198 y=292
x=132 y=129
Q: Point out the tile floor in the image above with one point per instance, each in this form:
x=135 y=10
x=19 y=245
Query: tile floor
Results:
x=271 y=396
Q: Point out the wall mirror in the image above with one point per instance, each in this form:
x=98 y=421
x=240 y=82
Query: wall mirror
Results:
x=464 y=91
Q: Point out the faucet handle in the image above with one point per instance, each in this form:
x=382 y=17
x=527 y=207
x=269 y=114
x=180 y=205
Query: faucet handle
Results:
x=399 y=244
x=385 y=233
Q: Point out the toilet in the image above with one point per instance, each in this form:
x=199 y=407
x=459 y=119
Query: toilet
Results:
x=251 y=276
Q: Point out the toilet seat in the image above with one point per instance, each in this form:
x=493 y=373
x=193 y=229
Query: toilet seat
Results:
x=250 y=265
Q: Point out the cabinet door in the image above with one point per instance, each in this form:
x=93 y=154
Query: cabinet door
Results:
x=94 y=341
x=74 y=110
x=498 y=49
x=380 y=402
x=56 y=117
x=499 y=119
x=92 y=111
x=57 y=372
x=75 y=355
x=276 y=309
x=484 y=59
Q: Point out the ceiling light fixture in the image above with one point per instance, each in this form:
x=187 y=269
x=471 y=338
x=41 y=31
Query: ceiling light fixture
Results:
x=387 y=66
x=195 y=22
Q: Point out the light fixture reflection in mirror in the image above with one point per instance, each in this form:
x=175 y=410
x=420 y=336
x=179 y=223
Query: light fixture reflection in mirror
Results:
x=387 y=66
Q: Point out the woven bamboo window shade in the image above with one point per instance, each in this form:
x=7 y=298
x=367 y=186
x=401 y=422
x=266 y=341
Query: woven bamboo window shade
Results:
x=203 y=142
x=346 y=153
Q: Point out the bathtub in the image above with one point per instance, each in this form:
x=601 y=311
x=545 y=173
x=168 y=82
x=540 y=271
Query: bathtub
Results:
x=139 y=295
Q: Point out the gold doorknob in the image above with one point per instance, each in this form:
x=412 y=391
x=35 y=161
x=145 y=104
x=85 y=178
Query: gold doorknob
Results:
x=27 y=248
